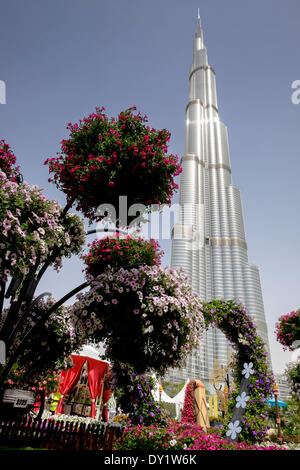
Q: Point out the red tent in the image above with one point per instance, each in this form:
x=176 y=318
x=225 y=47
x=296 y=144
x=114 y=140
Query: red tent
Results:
x=97 y=371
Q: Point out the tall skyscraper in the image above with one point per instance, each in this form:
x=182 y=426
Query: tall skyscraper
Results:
x=209 y=239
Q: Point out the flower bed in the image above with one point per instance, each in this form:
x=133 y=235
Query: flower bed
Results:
x=178 y=436
x=69 y=418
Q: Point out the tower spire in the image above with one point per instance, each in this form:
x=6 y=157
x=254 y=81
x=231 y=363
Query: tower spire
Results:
x=199 y=28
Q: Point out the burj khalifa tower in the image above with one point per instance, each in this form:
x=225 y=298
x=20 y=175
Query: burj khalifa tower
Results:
x=208 y=240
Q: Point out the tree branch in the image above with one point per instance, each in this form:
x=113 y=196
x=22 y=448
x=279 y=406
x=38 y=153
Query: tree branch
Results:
x=2 y=294
x=23 y=318
x=35 y=327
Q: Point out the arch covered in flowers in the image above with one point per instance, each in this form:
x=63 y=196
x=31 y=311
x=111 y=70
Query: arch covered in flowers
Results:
x=251 y=371
x=153 y=310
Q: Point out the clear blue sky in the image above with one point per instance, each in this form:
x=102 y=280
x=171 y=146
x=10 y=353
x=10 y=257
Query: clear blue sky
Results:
x=61 y=59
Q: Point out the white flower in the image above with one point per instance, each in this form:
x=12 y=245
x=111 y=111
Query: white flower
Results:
x=241 y=400
x=248 y=370
x=149 y=329
x=233 y=429
x=173 y=442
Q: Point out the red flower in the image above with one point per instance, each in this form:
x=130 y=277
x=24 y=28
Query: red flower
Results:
x=100 y=144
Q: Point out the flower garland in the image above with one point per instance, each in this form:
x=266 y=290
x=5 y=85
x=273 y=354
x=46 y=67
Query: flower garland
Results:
x=288 y=330
x=148 y=317
x=104 y=158
x=233 y=320
x=121 y=252
x=30 y=227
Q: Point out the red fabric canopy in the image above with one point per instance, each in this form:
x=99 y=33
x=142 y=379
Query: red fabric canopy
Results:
x=69 y=379
x=96 y=374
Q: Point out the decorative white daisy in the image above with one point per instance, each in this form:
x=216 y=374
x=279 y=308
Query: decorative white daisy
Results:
x=241 y=400
x=248 y=370
x=233 y=429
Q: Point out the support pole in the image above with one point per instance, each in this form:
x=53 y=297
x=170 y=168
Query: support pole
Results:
x=279 y=435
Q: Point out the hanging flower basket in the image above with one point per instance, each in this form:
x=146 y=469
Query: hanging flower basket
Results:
x=31 y=227
x=288 y=330
x=121 y=252
x=7 y=162
x=106 y=158
x=148 y=317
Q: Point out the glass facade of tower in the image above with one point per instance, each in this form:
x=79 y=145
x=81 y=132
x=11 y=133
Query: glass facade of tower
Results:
x=208 y=240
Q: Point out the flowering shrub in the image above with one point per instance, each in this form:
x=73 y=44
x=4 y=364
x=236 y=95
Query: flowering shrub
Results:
x=121 y=252
x=290 y=424
x=106 y=158
x=121 y=419
x=178 y=436
x=147 y=316
x=189 y=413
x=292 y=374
x=7 y=160
x=134 y=396
x=30 y=227
x=232 y=319
x=288 y=329
x=20 y=378
x=47 y=352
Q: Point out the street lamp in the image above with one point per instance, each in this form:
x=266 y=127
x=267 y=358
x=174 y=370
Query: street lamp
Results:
x=275 y=392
